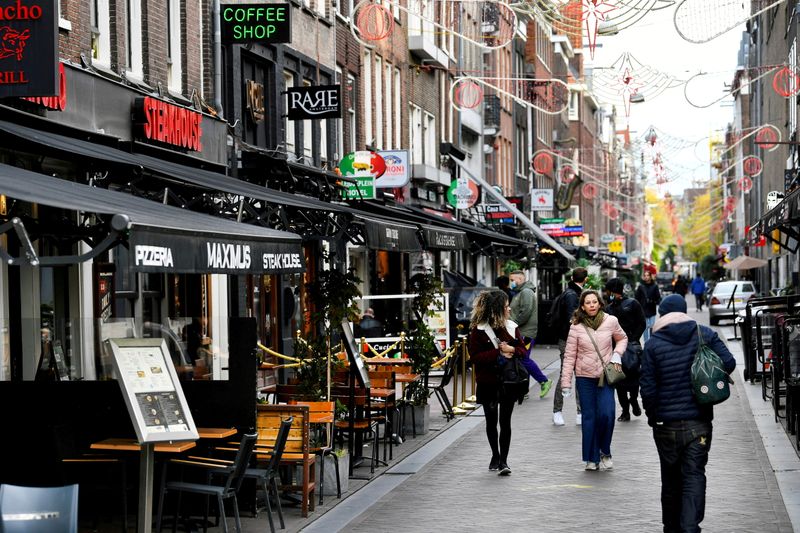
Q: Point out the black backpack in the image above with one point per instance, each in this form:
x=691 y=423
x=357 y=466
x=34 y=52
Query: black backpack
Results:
x=515 y=379
x=557 y=315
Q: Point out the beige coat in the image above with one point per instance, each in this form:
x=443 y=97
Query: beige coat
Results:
x=580 y=357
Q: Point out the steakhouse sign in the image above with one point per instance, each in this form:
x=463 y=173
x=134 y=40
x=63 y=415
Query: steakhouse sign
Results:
x=167 y=123
x=28 y=48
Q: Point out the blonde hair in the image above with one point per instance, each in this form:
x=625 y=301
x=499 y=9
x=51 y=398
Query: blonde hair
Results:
x=580 y=315
x=490 y=308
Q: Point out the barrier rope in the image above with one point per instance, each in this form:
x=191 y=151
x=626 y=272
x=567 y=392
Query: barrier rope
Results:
x=372 y=350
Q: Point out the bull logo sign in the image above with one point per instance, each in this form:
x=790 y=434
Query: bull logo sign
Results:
x=28 y=48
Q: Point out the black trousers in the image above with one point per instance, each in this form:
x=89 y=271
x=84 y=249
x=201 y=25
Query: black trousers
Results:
x=683 y=452
x=494 y=411
x=628 y=390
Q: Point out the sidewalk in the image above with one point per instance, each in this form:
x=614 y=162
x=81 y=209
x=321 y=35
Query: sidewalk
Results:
x=446 y=485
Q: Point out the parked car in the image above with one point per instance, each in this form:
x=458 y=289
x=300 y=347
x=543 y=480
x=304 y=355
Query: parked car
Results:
x=664 y=281
x=720 y=305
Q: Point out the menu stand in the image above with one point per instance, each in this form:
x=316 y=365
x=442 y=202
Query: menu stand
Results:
x=146 y=478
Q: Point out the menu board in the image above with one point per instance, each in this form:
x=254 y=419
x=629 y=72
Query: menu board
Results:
x=354 y=353
x=152 y=392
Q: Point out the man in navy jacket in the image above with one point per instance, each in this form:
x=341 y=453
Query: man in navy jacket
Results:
x=681 y=427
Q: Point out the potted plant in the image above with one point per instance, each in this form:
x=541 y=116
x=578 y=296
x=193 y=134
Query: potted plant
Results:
x=422 y=346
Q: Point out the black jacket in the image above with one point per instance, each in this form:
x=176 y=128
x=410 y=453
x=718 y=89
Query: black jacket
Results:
x=665 y=380
x=630 y=316
x=571 y=300
x=648 y=296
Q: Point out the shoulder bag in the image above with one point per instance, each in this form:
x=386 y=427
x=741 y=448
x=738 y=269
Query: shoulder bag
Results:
x=610 y=373
x=513 y=376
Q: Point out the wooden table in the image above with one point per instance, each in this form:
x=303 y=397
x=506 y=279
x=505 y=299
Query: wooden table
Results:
x=131 y=445
x=388 y=361
x=216 y=433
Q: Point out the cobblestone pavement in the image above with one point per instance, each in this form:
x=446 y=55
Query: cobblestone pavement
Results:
x=550 y=490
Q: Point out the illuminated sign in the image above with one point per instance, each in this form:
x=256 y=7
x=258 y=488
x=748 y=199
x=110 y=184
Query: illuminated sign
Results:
x=256 y=23
x=167 y=123
x=28 y=48
x=57 y=102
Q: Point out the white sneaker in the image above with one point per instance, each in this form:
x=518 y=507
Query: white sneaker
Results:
x=558 y=418
x=608 y=464
x=591 y=466
x=578 y=419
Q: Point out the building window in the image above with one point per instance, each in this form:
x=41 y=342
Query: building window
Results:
x=574 y=103
x=101 y=32
x=378 y=103
x=288 y=125
x=521 y=145
x=340 y=123
x=174 y=47
x=429 y=134
x=320 y=7
x=415 y=138
x=308 y=141
x=388 y=111
x=351 y=112
x=397 y=110
x=369 y=139
x=134 y=47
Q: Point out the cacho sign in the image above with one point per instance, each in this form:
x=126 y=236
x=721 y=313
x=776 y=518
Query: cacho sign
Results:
x=28 y=48
x=255 y=23
x=167 y=123
x=319 y=101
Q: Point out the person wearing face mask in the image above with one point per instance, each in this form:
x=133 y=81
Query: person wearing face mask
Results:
x=595 y=339
x=631 y=319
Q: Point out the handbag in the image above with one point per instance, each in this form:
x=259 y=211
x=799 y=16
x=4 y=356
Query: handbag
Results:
x=513 y=376
x=610 y=373
x=711 y=384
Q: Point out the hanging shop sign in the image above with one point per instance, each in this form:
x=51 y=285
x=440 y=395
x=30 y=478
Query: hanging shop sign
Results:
x=542 y=200
x=617 y=246
x=315 y=102
x=165 y=123
x=559 y=227
x=57 y=102
x=463 y=193
x=28 y=48
x=255 y=23
x=363 y=168
x=497 y=213
x=362 y=189
x=397 y=173
x=606 y=238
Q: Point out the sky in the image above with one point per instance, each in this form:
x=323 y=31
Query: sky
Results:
x=654 y=42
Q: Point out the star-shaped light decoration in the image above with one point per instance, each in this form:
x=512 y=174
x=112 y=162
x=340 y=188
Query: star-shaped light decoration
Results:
x=594 y=12
x=628 y=88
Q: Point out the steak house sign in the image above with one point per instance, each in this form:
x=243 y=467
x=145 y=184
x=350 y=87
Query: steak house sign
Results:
x=28 y=48
x=166 y=123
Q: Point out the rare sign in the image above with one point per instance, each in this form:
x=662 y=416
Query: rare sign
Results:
x=255 y=23
x=162 y=122
x=28 y=48
x=318 y=101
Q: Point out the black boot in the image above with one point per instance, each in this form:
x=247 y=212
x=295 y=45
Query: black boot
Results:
x=624 y=417
x=637 y=411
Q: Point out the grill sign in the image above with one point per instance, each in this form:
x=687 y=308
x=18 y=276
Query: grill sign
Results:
x=28 y=48
x=256 y=23
x=169 y=124
x=319 y=101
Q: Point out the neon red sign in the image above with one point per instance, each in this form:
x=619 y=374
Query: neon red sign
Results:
x=58 y=102
x=167 y=123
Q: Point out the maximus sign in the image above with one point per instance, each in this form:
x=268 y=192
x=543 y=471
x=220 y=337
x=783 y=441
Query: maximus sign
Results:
x=255 y=23
x=319 y=101
x=28 y=48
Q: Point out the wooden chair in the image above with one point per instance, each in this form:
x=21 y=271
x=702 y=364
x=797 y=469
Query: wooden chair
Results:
x=384 y=407
x=297 y=452
x=321 y=415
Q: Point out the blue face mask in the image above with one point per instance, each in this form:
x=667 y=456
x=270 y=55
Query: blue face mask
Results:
x=513 y=284
x=611 y=297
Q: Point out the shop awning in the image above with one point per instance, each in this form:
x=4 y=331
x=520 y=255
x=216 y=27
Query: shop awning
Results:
x=383 y=234
x=162 y=238
x=437 y=238
x=784 y=217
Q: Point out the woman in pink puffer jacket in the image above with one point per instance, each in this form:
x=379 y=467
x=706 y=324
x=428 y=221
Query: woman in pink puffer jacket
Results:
x=581 y=358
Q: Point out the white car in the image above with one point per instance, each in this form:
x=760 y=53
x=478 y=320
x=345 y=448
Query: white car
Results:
x=720 y=305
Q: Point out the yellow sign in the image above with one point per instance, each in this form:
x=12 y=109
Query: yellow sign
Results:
x=3 y=204
x=616 y=247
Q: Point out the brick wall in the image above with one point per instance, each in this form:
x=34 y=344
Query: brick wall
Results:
x=78 y=40
x=349 y=53
x=154 y=42
x=191 y=55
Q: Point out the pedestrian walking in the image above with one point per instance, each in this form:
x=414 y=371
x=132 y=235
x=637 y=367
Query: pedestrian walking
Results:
x=525 y=312
x=504 y=284
x=698 y=288
x=589 y=349
x=681 y=427
x=631 y=319
x=681 y=287
x=493 y=339
x=648 y=296
x=560 y=319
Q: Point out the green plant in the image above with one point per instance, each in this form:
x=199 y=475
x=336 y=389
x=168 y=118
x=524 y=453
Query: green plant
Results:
x=422 y=343
x=510 y=266
x=333 y=296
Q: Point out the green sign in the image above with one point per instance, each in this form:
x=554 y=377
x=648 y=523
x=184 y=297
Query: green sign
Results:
x=551 y=220
x=255 y=23
x=363 y=189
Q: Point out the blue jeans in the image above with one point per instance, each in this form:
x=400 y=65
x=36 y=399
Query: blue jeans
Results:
x=683 y=452
x=649 y=321
x=597 y=427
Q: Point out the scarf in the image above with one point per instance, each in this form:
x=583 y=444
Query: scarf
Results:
x=594 y=322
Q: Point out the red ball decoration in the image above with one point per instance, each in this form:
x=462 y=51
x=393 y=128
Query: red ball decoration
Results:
x=786 y=82
x=752 y=165
x=542 y=163
x=745 y=184
x=375 y=22
x=628 y=227
x=767 y=138
x=589 y=191
x=468 y=94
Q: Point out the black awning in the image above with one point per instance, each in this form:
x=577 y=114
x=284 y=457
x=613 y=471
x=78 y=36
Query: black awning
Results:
x=163 y=238
x=382 y=234
x=444 y=239
x=784 y=217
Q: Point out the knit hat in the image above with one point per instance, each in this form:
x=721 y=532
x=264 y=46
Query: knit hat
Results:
x=615 y=285
x=674 y=303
